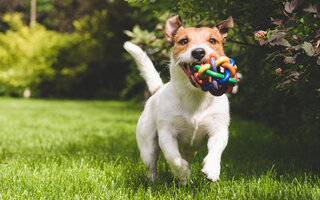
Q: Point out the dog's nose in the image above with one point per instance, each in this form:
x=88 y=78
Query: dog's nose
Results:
x=198 y=53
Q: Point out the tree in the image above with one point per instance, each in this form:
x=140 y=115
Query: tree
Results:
x=33 y=12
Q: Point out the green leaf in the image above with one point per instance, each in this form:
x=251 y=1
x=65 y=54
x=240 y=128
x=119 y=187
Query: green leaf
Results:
x=129 y=33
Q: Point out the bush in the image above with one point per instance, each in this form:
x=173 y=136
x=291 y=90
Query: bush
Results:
x=84 y=63
x=154 y=43
x=294 y=64
x=29 y=56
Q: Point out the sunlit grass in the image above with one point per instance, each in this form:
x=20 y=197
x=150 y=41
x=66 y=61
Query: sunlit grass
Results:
x=54 y=149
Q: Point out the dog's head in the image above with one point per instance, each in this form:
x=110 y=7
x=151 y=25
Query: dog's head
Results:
x=194 y=45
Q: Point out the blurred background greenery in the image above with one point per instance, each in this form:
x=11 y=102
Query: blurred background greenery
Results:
x=73 y=49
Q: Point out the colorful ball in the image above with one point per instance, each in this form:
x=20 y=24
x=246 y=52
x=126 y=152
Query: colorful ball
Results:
x=209 y=78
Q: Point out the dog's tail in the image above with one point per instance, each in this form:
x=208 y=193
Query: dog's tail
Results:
x=145 y=66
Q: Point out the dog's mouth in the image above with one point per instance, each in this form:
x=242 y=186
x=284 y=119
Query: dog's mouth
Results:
x=189 y=70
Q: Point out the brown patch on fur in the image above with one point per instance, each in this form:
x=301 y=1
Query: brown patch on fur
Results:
x=172 y=26
x=156 y=90
x=197 y=36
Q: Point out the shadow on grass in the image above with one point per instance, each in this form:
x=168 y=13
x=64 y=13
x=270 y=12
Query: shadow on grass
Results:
x=253 y=150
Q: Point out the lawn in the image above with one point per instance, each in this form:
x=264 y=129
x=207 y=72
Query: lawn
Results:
x=68 y=149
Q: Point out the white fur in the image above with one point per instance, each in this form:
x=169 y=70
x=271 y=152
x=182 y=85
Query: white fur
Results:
x=178 y=119
x=185 y=57
x=145 y=66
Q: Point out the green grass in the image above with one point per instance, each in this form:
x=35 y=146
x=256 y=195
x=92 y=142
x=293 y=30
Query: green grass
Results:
x=54 y=149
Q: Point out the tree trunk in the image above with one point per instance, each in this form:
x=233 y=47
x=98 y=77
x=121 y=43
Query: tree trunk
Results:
x=33 y=12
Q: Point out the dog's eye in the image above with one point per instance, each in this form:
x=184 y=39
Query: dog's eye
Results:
x=212 y=40
x=183 y=41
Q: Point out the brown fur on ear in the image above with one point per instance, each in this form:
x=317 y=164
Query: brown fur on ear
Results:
x=172 y=25
x=224 y=26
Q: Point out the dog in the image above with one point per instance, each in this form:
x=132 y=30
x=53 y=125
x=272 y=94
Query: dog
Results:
x=179 y=118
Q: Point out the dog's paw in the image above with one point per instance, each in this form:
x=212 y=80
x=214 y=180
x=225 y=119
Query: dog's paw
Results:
x=185 y=182
x=211 y=172
x=211 y=176
x=181 y=171
x=152 y=176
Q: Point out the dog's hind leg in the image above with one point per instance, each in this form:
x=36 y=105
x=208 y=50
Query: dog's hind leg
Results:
x=147 y=140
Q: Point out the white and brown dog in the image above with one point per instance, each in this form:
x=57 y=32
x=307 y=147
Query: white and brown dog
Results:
x=179 y=117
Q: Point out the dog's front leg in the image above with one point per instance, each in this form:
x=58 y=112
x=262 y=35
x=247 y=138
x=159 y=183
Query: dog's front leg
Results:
x=216 y=144
x=169 y=146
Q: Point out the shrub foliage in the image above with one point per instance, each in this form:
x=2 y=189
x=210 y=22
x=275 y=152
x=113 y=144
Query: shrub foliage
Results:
x=31 y=56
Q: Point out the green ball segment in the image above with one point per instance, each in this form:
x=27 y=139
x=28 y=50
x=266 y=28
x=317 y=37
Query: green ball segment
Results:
x=215 y=74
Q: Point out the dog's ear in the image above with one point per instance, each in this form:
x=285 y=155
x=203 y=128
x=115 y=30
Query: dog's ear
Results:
x=224 y=26
x=172 y=25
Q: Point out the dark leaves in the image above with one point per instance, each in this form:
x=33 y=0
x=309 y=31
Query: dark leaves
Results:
x=291 y=6
x=277 y=34
x=276 y=38
x=276 y=21
x=290 y=59
x=310 y=8
x=270 y=56
x=296 y=47
x=309 y=49
x=289 y=24
x=280 y=41
x=285 y=83
x=294 y=75
x=298 y=26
